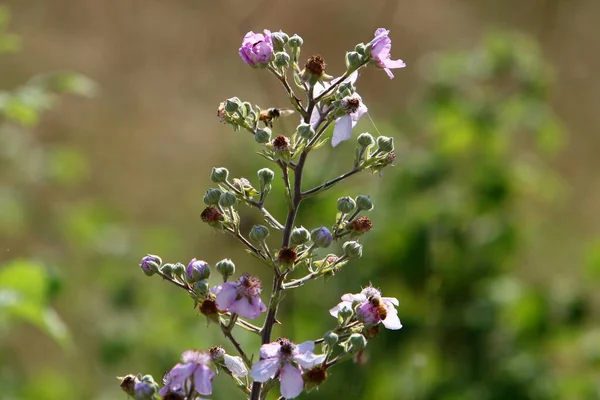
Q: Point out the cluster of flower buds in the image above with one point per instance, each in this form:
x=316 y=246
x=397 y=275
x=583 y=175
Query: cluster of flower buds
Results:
x=328 y=102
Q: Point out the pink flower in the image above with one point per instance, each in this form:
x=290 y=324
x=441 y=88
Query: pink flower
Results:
x=352 y=105
x=372 y=308
x=257 y=48
x=287 y=359
x=193 y=370
x=241 y=297
x=381 y=46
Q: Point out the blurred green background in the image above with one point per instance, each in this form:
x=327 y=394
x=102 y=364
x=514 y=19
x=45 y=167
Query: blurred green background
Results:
x=486 y=231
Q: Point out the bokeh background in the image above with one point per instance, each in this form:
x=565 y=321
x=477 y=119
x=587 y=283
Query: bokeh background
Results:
x=486 y=230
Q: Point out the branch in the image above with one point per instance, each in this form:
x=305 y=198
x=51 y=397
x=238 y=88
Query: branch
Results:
x=227 y=332
x=330 y=183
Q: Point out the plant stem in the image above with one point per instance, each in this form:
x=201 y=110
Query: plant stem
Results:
x=227 y=332
x=330 y=183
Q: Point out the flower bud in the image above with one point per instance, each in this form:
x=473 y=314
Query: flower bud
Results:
x=211 y=197
x=265 y=177
x=364 y=203
x=361 y=49
x=352 y=249
x=279 y=40
x=227 y=200
x=202 y=288
x=295 y=41
x=196 y=270
x=259 y=233
x=346 y=205
x=299 y=236
x=150 y=264
x=357 y=342
x=331 y=338
x=385 y=143
x=282 y=59
x=365 y=140
x=262 y=135
x=178 y=269
x=345 y=312
x=167 y=270
x=321 y=237
x=353 y=60
x=305 y=131
x=233 y=105
x=145 y=388
x=226 y=268
x=219 y=175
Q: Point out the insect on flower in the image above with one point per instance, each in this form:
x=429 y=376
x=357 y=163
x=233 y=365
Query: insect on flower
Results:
x=272 y=114
x=379 y=306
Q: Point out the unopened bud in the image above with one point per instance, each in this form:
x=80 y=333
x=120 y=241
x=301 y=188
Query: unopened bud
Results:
x=357 y=342
x=226 y=268
x=352 y=249
x=385 y=143
x=295 y=41
x=227 y=200
x=321 y=237
x=282 y=59
x=178 y=269
x=361 y=49
x=150 y=264
x=202 y=288
x=145 y=388
x=197 y=270
x=167 y=269
x=211 y=197
x=299 y=236
x=346 y=205
x=233 y=105
x=259 y=233
x=262 y=135
x=364 y=203
x=219 y=175
x=279 y=40
x=353 y=60
x=331 y=338
x=365 y=140
x=305 y=131
x=345 y=312
x=265 y=177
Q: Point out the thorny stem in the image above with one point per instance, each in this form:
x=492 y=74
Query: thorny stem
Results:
x=173 y=281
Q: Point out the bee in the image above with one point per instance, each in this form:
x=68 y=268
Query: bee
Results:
x=379 y=306
x=272 y=114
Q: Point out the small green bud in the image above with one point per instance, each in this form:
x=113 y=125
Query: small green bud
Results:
x=178 y=269
x=346 y=205
x=212 y=196
x=305 y=131
x=352 y=249
x=365 y=140
x=279 y=40
x=262 y=135
x=385 y=143
x=233 y=105
x=299 y=236
x=265 y=176
x=353 y=60
x=219 y=175
x=226 y=268
x=167 y=269
x=295 y=41
x=345 y=312
x=202 y=288
x=227 y=200
x=357 y=342
x=259 y=233
x=364 y=203
x=331 y=338
x=282 y=59
x=361 y=49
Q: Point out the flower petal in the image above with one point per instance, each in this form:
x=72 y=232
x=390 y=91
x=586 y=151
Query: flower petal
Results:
x=291 y=382
x=226 y=294
x=244 y=308
x=235 y=365
x=306 y=347
x=270 y=350
x=335 y=310
x=306 y=358
x=203 y=377
x=392 y=321
x=350 y=297
x=264 y=370
x=391 y=300
x=342 y=130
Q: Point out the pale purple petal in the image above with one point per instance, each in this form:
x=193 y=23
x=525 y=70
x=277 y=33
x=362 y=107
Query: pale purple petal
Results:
x=344 y=304
x=391 y=300
x=394 y=63
x=177 y=377
x=342 y=130
x=362 y=110
x=235 y=365
x=350 y=297
x=270 y=350
x=203 y=377
x=291 y=382
x=368 y=313
x=226 y=295
x=379 y=33
x=264 y=370
x=244 y=308
x=305 y=357
x=392 y=321
x=306 y=347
